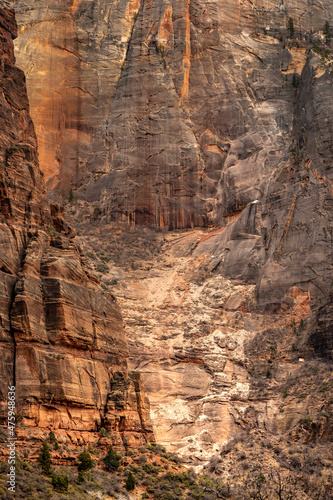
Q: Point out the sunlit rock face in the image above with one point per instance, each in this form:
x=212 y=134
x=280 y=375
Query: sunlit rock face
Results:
x=61 y=336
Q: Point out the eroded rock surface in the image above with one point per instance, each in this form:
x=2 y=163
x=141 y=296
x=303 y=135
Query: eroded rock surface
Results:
x=170 y=112
x=177 y=114
x=215 y=366
x=181 y=113
x=62 y=339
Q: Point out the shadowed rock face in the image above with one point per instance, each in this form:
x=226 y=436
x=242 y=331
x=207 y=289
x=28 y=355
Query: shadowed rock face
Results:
x=62 y=340
x=322 y=336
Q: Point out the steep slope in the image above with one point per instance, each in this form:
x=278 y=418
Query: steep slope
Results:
x=215 y=366
x=62 y=339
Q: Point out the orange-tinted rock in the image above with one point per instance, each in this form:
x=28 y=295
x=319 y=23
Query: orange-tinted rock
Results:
x=172 y=113
x=61 y=338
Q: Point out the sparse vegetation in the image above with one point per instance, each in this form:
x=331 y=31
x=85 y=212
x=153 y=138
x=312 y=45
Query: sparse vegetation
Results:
x=323 y=52
x=13 y=149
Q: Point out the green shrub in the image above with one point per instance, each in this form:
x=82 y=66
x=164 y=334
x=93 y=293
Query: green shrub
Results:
x=102 y=432
x=14 y=149
x=60 y=482
x=130 y=483
x=80 y=477
x=101 y=268
x=53 y=440
x=85 y=462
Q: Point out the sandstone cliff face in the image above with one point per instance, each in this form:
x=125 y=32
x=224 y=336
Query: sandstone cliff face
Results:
x=179 y=114
x=198 y=114
x=62 y=339
x=170 y=113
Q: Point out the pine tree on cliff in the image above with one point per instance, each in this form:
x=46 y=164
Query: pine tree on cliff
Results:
x=44 y=458
x=112 y=460
x=291 y=28
x=84 y=461
x=327 y=33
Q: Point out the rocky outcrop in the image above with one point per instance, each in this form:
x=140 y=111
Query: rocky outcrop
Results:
x=281 y=240
x=62 y=339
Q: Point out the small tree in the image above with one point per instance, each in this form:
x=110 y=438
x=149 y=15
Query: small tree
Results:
x=44 y=458
x=130 y=483
x=71 y=195
x=84 y=461
x=103 y=432
x=327 y=33
x=291 y=28
x=80 y=477
x=53 y=439
x=112 y=460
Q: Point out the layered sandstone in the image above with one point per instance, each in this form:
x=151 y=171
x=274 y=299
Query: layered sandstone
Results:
x=62 y=339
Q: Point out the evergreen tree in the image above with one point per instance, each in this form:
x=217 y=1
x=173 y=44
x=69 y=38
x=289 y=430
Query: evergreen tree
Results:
x=327 y=33
x=85 y=462
x=112 y=460
x=291 y=28
x=44 y=458
x=130 y=483
x=53 y=439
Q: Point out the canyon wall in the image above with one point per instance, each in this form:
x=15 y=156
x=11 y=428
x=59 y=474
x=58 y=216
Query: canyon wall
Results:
x=168 y=112
x=62 y=339
x=180 y=114
x=175 y=114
